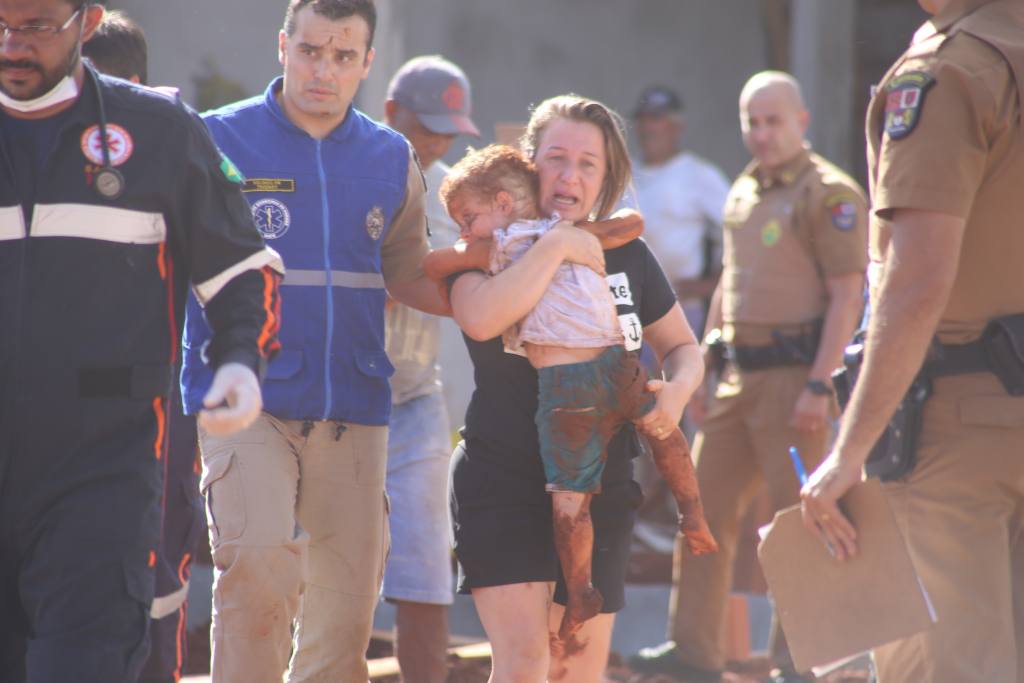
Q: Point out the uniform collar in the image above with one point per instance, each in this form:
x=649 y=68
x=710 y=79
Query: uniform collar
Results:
x=270 y=100
x=783 y=175
x=954 y=12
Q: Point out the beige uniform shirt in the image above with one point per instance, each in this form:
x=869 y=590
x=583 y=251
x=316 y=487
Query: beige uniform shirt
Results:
x=785 y=233
x=945 y=134
x=412 y=338
x=406 y=243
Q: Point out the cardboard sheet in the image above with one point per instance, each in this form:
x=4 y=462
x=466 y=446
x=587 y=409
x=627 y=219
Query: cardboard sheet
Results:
x=832 y=610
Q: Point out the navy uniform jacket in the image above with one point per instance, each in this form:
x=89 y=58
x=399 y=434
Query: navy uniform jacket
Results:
x=94 y=289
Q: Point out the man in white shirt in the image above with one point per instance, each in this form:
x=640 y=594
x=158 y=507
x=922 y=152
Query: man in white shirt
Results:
x=681 y=197
x=428 y=102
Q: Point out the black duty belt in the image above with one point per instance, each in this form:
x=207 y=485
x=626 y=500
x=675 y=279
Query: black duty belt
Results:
x=764 y=357
x=787 y=350
x=959 y=359
x=137 y=381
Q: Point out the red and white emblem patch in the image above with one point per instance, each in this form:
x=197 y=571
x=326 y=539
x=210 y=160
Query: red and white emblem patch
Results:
x=119 y=144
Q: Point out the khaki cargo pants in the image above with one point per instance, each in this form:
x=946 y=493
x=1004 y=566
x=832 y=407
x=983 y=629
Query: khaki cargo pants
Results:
x=298 y=528
x=742 y=446
x=961 y=512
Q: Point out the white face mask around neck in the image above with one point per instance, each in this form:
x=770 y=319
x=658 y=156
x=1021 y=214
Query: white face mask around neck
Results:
x=65 y=90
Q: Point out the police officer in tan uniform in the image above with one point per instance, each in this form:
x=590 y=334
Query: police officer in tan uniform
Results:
x=946 y=153
x=795 y=252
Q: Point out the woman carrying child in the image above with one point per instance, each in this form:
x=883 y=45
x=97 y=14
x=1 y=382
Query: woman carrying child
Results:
x=502 y=518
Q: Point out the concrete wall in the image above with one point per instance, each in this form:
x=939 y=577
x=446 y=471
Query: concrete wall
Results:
x=239 y=36
x=518 y=53
x=515 y=53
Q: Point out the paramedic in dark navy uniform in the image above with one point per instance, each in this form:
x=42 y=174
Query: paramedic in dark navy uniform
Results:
x=112 y=200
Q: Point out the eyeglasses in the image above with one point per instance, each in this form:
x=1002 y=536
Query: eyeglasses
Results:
x=39 y=33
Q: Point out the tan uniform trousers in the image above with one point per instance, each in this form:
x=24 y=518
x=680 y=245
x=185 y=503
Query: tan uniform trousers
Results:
x=298 y=528
x=744 y=444
x=961 y=512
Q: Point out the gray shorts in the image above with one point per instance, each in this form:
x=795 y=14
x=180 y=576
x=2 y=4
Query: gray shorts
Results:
x=419 y=568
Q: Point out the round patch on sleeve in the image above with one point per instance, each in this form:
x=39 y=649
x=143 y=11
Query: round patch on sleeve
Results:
x=843 y=210
x=904 y=100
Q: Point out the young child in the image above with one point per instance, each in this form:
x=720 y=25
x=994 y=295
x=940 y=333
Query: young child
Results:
x=589 y=384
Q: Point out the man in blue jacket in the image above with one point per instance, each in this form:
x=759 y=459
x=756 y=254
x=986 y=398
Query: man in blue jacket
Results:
x=296 y=503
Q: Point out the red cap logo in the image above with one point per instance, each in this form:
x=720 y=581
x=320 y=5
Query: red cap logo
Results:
x=454 y=97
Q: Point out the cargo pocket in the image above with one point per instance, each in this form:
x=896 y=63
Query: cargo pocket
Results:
x=221 y=486
x=374 y=364
x=286 y=365
x=1006 y=412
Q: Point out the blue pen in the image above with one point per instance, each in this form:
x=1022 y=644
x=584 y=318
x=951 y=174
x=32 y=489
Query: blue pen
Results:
x=798 y=465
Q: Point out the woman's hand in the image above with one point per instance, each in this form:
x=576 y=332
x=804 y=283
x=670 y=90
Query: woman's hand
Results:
x=577 y=245
x=661 y=422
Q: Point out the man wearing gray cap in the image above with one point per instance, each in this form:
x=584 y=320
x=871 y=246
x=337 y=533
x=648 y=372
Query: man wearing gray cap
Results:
x=428 y=101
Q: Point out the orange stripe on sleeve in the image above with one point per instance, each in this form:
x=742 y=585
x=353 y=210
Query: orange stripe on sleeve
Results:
x=161 y=427
x=272 y=307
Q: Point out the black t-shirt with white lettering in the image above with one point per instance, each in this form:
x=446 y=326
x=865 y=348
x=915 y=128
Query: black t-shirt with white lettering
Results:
x=501 y=463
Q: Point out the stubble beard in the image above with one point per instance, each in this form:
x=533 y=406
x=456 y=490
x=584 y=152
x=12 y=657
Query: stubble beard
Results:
x=49 y=80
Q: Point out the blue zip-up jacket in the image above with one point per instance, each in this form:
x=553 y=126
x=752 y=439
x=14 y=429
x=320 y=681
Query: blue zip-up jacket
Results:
x=326 y=206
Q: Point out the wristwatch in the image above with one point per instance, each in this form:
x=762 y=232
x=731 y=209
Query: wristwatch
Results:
x=819 y=388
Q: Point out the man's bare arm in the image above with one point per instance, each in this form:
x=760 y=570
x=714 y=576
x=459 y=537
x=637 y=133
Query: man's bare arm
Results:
x=462 y=256
x=918 y=273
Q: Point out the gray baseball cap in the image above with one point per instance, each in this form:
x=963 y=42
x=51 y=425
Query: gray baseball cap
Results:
x=437 y=91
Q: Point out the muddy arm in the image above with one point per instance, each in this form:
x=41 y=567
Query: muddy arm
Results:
x=624 y=226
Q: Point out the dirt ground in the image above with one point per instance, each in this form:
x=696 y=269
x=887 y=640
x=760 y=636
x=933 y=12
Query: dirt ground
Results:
x=477 y=670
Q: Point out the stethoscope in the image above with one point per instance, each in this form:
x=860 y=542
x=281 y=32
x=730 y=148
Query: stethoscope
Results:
x=109 y=182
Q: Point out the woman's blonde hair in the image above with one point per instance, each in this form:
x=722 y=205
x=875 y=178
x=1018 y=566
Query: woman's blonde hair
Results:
x=493 y=169
x=619 y=171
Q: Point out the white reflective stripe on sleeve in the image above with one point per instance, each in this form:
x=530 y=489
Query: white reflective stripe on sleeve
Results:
x=12 y=223
x=267 y=257
x=166 y=605
x=339 y=278
x=105 y=223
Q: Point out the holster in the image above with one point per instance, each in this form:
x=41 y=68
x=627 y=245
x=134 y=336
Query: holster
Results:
x=895 y=453
x=1000 y=350
x=716 y=350
x=1003 y=341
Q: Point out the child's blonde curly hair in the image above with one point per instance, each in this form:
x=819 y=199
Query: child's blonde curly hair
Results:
x=493 y=169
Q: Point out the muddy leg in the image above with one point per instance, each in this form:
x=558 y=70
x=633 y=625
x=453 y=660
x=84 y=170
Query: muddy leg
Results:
x=574 y=541
x=672 y=456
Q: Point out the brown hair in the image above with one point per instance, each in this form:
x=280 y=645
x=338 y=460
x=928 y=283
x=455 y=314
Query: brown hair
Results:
x=619 y=169
x=334 y=10
x=118 y=47
x=493 y=169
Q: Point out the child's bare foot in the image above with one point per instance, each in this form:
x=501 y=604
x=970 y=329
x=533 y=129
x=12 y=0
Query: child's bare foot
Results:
x=582 y=605
x=697 y=534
